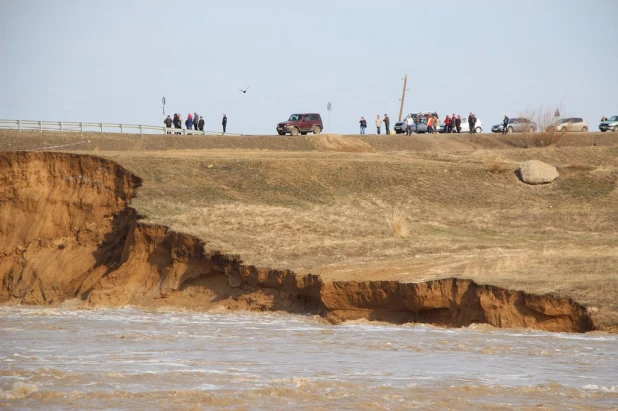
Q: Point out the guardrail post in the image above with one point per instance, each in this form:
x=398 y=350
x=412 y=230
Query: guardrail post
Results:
x=81 y=126
x=61 y=126
x=101 y=124
x=140 y=129
x=122 y=128
x=19 y=125
x=41 y=126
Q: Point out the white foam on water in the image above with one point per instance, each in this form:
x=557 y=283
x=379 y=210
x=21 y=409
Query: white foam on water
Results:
x=594 y=387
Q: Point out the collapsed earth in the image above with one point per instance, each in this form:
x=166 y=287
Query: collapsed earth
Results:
x=438 y=230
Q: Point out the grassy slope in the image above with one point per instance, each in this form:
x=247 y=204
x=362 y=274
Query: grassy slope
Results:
x=322 y=205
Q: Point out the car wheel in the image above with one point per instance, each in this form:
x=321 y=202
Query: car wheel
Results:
x=509 y=130
x=317 y=130
x=530 y=129
x=294 y=131
x=563 y=130
x=584 y=129
x=478 y=130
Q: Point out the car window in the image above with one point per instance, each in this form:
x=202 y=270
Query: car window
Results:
x=579 y=120
x=294 y=117
x=614 y=118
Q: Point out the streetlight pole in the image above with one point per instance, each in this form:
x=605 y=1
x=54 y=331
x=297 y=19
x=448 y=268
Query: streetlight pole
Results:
x=403 y=96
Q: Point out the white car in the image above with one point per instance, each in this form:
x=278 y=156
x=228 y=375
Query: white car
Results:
x=465 y=128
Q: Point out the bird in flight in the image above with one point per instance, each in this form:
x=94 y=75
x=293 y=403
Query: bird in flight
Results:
x=245 y=90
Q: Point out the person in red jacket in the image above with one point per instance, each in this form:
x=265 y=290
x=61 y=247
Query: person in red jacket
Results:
x=447 y=123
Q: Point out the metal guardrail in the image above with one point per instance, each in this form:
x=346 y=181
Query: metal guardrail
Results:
x=81 y=127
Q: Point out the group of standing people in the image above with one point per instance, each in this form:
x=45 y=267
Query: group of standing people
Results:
x=452 y=124
x=193 y=121
x=386 y=122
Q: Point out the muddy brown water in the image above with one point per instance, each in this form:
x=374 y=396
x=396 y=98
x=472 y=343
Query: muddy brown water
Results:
x=58 y=358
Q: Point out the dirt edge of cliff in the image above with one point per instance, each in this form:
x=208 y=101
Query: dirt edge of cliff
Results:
x=67 y=232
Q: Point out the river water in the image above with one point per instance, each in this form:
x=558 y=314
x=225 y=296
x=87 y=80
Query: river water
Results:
x=56 y=358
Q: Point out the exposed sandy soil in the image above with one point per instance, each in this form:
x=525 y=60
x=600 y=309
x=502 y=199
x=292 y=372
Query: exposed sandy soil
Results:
x=324 y=205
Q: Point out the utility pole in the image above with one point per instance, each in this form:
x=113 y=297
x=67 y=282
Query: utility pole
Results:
x=403 y=95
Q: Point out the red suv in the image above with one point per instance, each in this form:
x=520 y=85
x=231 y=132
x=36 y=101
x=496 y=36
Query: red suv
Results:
x=301 y=123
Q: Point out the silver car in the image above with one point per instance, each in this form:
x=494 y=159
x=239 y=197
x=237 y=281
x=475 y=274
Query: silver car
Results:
x=516 y=125
x=569 y=124
x=609 y=124
x=420 y=123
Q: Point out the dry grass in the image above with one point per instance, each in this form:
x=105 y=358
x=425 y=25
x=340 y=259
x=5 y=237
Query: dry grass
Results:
x=547 y=138
x=397 y=222
x=283 y=202
x=495 y=167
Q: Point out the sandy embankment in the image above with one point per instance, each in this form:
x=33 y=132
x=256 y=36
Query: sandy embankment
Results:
x=67 y=232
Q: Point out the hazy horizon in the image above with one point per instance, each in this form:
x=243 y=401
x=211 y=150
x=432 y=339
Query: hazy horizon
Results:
x=114 y=61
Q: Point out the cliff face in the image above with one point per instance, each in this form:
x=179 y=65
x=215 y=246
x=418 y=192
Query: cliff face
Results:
x=67 y=231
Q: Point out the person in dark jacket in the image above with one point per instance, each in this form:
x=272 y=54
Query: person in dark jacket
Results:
x=224 y=122
x=168 y=123
x=458 y=123
x=387 y=124
x=200 y=124
x=195 y=121
x=363 y=125
x=177 y=121
x=505 y=124
x=471 y=123
x=189 y=122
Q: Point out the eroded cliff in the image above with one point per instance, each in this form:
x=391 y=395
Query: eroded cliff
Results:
x=67 y=232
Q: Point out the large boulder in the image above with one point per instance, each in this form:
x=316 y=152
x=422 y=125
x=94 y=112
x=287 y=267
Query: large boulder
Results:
x=537 y=172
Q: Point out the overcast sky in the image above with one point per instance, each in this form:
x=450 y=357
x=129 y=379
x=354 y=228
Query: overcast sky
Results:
x=113 y=61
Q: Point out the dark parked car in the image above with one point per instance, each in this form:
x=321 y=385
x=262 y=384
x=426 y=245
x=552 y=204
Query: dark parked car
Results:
x=609 y=124
x=517 y=124
x=301 y=123
x=420 y=122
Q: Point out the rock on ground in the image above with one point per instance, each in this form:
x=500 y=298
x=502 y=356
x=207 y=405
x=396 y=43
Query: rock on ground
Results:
x=537 y=172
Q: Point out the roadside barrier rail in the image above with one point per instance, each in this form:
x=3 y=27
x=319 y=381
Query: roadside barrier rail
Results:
x=81 y=127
